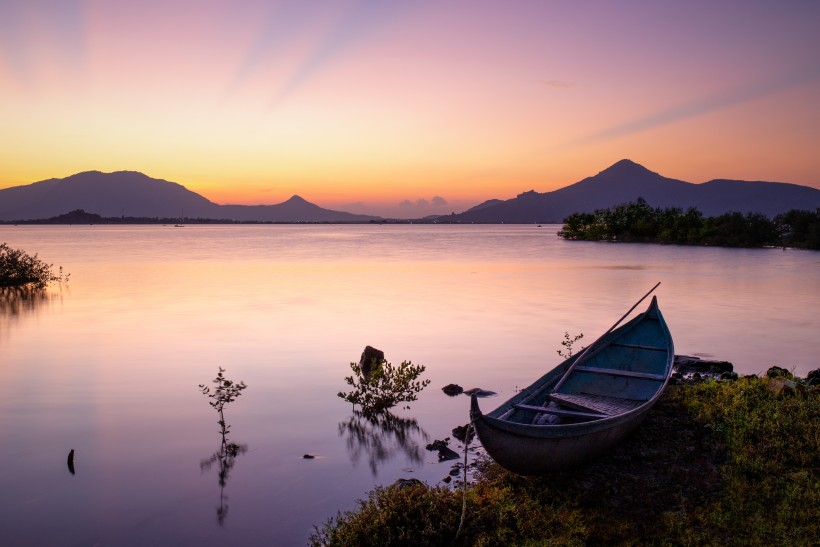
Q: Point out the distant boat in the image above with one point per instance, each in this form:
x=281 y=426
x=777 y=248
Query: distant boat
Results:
x=586 y=404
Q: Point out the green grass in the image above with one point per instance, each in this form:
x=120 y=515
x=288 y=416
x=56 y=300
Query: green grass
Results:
x=715 y=463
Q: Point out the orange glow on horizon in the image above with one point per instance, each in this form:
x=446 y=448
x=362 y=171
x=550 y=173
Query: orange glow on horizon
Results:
x=402 y=104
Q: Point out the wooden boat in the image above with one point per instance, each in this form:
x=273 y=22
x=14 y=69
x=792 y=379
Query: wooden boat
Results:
x=586 y=404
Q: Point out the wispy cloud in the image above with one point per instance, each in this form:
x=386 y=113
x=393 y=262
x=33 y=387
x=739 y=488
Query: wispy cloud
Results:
x=423 y=203
x=703 y=106
x=361 y=19
x=559 y=84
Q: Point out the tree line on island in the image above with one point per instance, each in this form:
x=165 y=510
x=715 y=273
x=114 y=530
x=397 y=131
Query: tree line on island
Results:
x=638 y=222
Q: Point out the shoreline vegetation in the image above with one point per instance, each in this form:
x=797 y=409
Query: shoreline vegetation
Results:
x=81 y=217
x=20 y=270
x=638 y=222
x=715 y=462
x=635 y=222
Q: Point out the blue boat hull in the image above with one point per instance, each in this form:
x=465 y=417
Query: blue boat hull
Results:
x=590 y=404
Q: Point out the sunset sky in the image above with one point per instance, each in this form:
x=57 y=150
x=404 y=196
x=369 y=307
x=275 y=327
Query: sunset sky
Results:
x=407 y=108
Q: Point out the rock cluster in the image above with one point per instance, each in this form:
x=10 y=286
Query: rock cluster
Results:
x=689 y=369
x=444 y=451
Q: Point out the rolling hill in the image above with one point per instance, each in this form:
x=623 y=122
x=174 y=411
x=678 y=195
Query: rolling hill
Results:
x=626 y=181
x=133 y=194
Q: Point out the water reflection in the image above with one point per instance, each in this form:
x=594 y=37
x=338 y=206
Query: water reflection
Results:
x=382 y=436
x=224 y=458
x=16 y=302
x=224 y=391
x=70 y=462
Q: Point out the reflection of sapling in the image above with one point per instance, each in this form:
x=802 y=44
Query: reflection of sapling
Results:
x=384 y=385
x=226 y=391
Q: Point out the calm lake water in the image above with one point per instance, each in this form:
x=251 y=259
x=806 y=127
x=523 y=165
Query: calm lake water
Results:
x=109 y=365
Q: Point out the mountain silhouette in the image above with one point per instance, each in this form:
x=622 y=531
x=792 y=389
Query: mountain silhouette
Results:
x=626 y=181
x=133 y=194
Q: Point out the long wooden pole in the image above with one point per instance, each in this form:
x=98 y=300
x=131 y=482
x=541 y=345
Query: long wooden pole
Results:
x=592 y=345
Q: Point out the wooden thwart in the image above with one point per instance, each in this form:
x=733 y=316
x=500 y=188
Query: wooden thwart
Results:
x=560 y=411
x=636 y=346
x=617 y=372
x=596 y=403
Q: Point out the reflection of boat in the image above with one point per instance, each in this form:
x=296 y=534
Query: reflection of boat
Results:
x=586 y=404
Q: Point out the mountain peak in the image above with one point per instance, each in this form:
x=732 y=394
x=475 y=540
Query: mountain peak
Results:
x=295 y=199
x=625 y=167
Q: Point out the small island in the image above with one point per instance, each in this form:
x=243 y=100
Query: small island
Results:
x=638 y=222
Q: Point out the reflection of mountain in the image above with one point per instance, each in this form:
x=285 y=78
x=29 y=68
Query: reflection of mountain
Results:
x=16 y=302
x=382 y=436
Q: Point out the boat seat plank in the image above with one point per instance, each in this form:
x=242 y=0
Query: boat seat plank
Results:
x=617 y=372
x=596 y=403
x=638 y=346
x=560 y=411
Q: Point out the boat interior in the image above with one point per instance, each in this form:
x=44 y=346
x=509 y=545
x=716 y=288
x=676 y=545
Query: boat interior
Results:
x=620 y=375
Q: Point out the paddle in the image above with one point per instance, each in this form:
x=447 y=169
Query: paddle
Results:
x=592 y=345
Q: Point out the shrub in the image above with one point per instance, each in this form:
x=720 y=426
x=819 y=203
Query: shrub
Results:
x=226 y=391
x=385 y=386
x=19 y=269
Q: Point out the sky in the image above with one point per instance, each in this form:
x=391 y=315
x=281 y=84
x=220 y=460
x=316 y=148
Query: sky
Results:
x=407 y=108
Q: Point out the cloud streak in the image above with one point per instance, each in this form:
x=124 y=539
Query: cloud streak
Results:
x=422 y=203
x=359 y=21
x=702 y=106
x=558 y=84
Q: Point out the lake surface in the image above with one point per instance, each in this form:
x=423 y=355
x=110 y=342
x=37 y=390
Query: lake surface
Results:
x=109 y=364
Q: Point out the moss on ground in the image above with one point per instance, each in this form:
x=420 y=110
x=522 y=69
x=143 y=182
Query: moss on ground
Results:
x=734 y=463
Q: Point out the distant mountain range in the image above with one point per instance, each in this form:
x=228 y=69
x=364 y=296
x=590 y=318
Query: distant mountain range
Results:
x=132 y=194
x=626 y=181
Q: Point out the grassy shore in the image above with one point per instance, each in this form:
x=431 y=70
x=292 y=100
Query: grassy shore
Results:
x=734 y=463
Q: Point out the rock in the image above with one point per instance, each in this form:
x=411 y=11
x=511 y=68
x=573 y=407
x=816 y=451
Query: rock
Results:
x=729 y=376
x=447 y=479
x=719 y=367
x=462 y=431
x=308 y=457
x=778 y=372
x=688 y=369
x=779 y=386
x=478 y=392
x=455 y=472
x=370 y=360
x=688 y=363
x=452 y=390
x=401 y=484
x=813 y=377
x=444 y=451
